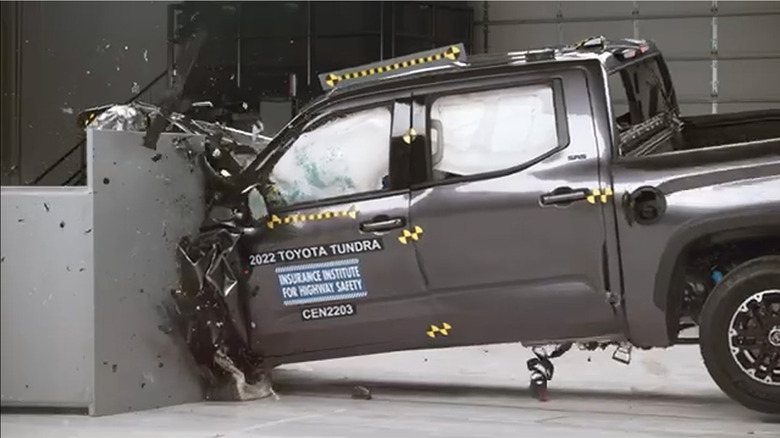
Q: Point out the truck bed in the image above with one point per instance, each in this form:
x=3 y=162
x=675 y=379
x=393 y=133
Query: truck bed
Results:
x=731 y=133
x=722 y=129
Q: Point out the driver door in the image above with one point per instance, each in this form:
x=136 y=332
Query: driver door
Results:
x=328 y=272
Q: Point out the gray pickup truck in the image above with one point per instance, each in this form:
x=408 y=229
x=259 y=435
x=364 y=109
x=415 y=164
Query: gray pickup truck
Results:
x=552 y=197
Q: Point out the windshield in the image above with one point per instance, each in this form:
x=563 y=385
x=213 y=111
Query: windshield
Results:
x=255 y=169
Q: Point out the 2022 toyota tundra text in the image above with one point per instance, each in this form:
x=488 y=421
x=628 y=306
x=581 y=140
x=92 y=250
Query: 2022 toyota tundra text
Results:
x=554 y=197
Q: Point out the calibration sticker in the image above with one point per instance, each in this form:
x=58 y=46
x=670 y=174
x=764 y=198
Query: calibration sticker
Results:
x=316 y=252
x=321 y=282
x=325 y=312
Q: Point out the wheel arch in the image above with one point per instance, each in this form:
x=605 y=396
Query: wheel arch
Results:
x=747 y=224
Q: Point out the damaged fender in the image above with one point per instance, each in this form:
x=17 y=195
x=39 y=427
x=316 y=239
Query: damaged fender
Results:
x=210 y=309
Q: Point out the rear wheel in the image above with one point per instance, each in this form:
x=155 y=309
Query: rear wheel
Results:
x=740 y=334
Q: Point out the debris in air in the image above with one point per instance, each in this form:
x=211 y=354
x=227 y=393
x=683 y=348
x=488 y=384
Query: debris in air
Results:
x=243 y=146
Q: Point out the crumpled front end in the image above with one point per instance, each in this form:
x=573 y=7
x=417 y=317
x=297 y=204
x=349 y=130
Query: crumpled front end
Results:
x=210 y=308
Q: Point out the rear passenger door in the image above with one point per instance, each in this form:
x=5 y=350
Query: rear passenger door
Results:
x=499 y=264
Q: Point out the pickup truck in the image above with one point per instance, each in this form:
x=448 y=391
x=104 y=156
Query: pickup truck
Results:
x=550 y=198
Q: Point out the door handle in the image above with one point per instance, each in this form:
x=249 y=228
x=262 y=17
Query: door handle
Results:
x=382 y=223
x=564 y=196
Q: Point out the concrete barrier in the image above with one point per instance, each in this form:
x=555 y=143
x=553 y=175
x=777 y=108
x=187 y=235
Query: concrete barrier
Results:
x=85 y=272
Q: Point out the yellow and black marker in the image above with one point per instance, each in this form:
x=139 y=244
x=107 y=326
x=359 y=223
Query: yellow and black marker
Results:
x=443 y=330
x=440 y=56
x=413 y=234
x=410 y=135
x=311 y=217
x=599 y=195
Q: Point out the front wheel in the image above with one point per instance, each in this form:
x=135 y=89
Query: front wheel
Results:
x=740 y=334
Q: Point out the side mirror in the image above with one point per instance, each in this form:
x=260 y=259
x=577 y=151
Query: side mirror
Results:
x=257 y=205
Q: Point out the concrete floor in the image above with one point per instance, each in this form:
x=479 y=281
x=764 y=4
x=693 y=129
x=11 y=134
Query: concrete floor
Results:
x=471 y=392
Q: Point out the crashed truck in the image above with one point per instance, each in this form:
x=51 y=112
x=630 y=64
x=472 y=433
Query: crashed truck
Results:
x=439 y=200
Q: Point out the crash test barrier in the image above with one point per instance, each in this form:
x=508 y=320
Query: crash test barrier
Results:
x=85 y=273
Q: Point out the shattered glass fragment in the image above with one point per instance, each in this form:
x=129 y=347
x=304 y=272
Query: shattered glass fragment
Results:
x=146 y=55
x=257 y=128
x=135 y=89
x=257 y=205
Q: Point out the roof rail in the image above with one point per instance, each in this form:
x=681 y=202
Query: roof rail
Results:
x=448 y=55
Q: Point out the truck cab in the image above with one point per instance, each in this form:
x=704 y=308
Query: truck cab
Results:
x=462 y=182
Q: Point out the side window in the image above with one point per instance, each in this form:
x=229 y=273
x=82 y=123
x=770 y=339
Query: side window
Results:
x=345 y=155
x=637 y=93
x=641 y=107
x=619 y=99
x=485 y=131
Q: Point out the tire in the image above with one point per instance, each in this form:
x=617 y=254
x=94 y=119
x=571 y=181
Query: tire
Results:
x=724 y=307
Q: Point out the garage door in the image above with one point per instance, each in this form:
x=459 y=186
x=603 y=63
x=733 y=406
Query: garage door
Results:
x=723 y=56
